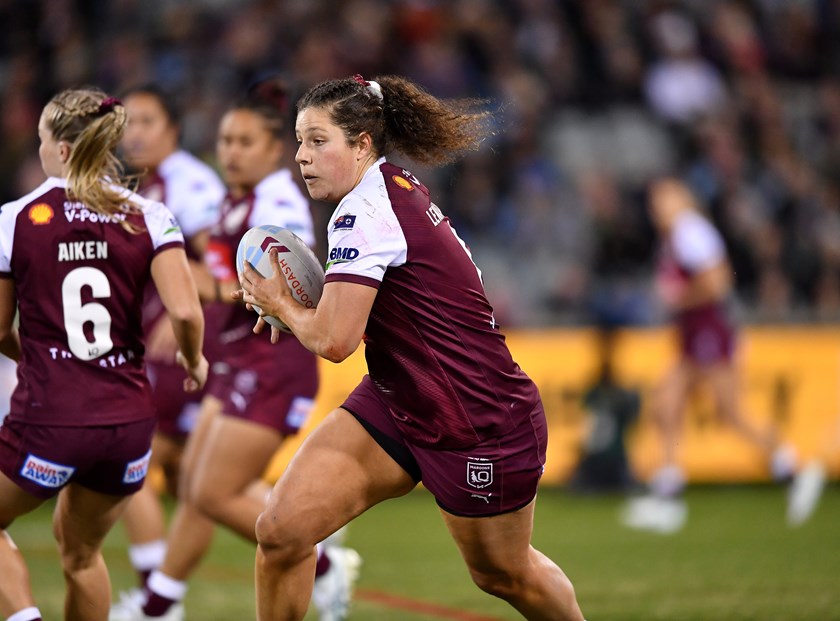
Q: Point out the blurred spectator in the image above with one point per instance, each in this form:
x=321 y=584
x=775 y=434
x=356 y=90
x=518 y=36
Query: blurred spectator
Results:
x=611 y=409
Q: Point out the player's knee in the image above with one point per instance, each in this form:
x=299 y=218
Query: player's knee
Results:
x=210 y=502
x=76 y=557
x=501 y=584
x=278 y=542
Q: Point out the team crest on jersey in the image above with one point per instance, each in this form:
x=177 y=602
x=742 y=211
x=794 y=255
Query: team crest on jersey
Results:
x=479 y=473
x=41 y=214
x=404 y=183
x=344 y=222
x=135 y=471
x=46 y=473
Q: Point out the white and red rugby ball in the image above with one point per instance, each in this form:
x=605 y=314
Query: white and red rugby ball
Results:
x=298 y=264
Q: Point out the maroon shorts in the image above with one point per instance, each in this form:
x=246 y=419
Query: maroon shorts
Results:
x=176 y=410
x=265 y=393
x=706 y=335
x=109 y=459
x=497 y=475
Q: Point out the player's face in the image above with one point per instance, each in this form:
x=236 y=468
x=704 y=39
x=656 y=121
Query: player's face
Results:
x=246 y=149
x=49 y=152
x=150 y=137
x=331 y=167
x=667 y=200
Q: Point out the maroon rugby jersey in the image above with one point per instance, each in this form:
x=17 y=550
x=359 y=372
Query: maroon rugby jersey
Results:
x=278 y=201
x=192 y=191
x=432 y=345
x=79 y=278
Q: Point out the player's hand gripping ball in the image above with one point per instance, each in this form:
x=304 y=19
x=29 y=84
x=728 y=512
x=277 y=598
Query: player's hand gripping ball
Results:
x=298 y=264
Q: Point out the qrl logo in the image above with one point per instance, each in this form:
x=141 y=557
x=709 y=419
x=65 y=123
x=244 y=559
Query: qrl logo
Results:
x=479 y=474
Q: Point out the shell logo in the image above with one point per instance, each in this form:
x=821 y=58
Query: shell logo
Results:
x=404 y=183
x=41 y=214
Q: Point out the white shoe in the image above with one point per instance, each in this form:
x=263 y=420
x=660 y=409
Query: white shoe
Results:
x=804 y=494
x=130 y=608
x=660 y=515
x=333 y=591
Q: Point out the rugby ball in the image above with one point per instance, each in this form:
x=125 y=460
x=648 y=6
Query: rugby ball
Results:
x=298 y=264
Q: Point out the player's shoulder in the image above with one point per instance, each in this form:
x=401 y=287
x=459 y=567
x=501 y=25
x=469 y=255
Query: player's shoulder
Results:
x=13 y=208
x=691 y=224
x=279 y=185
x=184 y=168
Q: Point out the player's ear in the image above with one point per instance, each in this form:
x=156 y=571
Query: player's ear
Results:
x=365 y=144
x=63 y=151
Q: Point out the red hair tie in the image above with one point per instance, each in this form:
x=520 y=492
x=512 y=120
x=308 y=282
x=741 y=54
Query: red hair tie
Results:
x=107 y=105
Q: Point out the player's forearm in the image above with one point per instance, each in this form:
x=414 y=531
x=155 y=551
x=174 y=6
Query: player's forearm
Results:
x=10 y=344
x=189 y=333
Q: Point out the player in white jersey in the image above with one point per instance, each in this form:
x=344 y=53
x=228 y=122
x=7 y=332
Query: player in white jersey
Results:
x=443 y=401
x=75 y=256
x=193 y=192
x=694 y=280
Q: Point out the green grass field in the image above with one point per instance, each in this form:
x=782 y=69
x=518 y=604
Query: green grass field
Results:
x=734 y=560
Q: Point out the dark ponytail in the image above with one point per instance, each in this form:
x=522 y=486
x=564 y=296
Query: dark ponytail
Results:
x=406 y=118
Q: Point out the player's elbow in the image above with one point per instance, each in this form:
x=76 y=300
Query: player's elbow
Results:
x=187 y=315
x=336 y=350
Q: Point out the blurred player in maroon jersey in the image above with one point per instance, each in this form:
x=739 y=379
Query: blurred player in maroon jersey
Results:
x=258 y=395
x=694 y=280
x=444 y=401
x=193 y=193
x=76 y=255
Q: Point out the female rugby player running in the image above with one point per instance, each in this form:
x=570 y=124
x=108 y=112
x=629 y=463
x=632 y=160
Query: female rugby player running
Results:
x=443 y=402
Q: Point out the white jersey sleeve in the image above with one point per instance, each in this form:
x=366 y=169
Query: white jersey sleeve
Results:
x=8 y=219
x=696 y=244
x=365 y=237
x=194 y=192
x=279 y=201
x=162 y=226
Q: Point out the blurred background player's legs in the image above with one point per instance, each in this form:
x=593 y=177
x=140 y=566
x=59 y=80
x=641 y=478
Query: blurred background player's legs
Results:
x=221 y=483
x=144 y=518
x=808 y=484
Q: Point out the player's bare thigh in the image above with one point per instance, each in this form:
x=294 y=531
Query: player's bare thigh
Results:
x=14 y=501
x=489 y=545
x=210 y=409
x=339 y=472
x=235 y=453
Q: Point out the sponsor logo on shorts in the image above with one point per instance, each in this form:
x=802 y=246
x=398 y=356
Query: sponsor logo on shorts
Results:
x=41 y=214
x=479 y=473
x=299 y=412
x=45 y=473
x=344 y=222
x=136 y=471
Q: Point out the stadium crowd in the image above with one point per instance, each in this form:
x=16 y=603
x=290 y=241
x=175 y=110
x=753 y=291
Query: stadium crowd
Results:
x=592 y=99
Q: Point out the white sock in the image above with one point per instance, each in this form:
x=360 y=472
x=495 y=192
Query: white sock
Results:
x=668 y=481
x=783 y=462
x=27 y=614
x=167 y=587
x=147 y=556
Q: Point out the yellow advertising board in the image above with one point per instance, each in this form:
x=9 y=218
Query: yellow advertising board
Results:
x=790 y=381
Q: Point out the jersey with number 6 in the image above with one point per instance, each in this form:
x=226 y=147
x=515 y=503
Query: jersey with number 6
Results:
x=79 y=279
x=432 y=346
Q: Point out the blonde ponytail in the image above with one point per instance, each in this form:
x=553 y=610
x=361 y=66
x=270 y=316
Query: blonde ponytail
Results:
x=93 y=124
